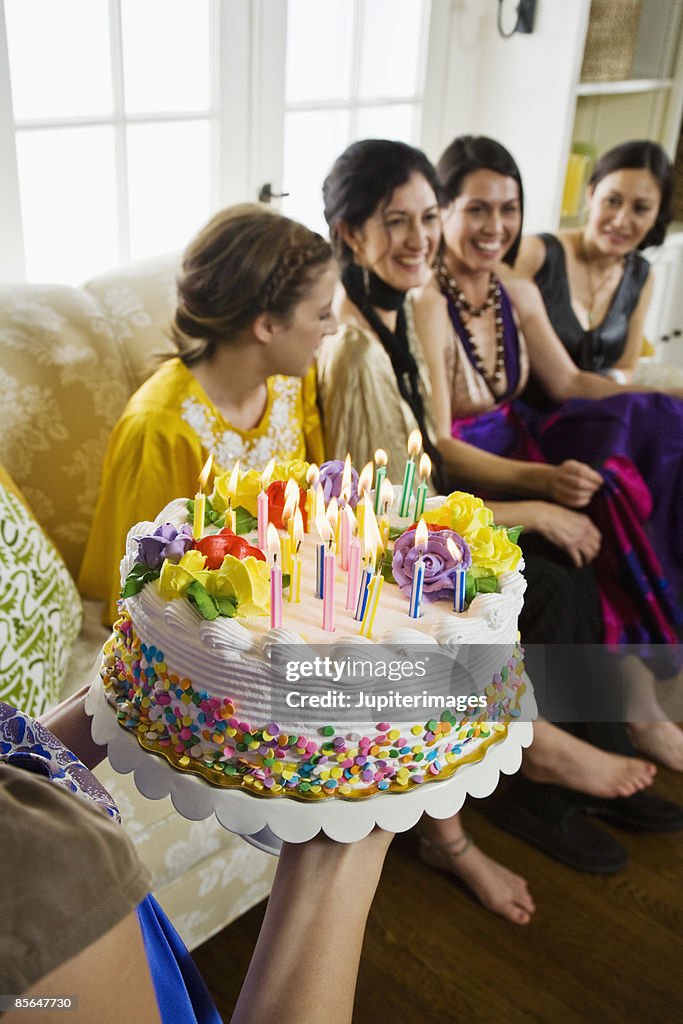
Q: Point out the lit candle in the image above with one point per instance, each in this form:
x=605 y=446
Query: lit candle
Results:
x=344 y=531
x=353 y=581
x=321 y=526
x=328 y=582
x=200 y=500
x=387 y=500
x=381 y=461
x=273 y=542
x=312 y=476
x=348 y=521
x=421 y=538
x=424 y=471
x=332 y=516
x=262 y=505
x=295 y=571
x=364 y=487
x=290 y=507
x=372 y=545
x=459 y=577
x=414 y=445
x=233 y=483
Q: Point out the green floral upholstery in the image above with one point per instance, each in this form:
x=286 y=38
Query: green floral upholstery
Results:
x=40 y=610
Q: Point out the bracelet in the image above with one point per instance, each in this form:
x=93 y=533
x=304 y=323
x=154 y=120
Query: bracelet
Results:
x=618 y=376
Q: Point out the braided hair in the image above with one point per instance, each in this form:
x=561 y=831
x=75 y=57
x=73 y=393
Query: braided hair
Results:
x=246 y=261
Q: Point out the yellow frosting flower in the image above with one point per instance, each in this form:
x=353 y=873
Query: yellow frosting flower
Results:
x=492 y=551
x=175 y=579
x=246 y=580
x=461 y=512
x=249 y=485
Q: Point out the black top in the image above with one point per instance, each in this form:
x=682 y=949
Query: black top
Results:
x=603 y=346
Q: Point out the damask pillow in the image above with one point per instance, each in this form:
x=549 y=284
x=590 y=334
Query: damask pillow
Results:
x=40 y=609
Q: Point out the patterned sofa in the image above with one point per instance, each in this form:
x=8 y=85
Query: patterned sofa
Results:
x=69 y=359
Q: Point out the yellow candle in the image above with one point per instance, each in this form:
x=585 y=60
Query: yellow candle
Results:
x=200 y=500
x=295 y=573
x=386 y=501
x=233 y=482
x=364 y=488
x=312 y=475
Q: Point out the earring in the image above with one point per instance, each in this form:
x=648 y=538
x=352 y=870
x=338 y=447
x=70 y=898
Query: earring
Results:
x=366 y=281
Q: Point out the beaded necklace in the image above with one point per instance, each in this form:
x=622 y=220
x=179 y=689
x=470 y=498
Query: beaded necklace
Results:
x=466 y=311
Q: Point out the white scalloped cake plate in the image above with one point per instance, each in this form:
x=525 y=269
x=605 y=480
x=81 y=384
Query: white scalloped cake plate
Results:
x=267 y=823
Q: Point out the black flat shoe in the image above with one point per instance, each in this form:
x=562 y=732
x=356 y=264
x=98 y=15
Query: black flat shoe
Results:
x=642 y=812
x=565 y=833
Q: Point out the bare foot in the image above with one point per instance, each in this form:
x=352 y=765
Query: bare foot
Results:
x=662 y=741
x=557 y=757
x=496 y=888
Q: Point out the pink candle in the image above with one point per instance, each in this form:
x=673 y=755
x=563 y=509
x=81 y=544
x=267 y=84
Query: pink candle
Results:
x=275 y=579
x=347 y=518
x=328 y=588
x=353 y=581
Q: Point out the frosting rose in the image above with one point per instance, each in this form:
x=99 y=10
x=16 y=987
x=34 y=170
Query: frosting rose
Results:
x=167 y=542
x=175 y=579
x=331 y=481
x=217 y=545
x=246 y=581
x=461 y=512
x=276 y=504
x=438 y=562
x=492 y=551
x=249 y=485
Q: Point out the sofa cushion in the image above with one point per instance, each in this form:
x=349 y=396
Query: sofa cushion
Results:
x=63 y=385
x=40 y=610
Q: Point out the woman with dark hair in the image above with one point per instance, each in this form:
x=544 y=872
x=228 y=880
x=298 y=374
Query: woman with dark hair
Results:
x=595 y=284
x=254 y=302
x=481 y=340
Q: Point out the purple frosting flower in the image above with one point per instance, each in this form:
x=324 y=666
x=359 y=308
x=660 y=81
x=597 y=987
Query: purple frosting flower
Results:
x=331 y=480
x=438 y=561
x=165 y=543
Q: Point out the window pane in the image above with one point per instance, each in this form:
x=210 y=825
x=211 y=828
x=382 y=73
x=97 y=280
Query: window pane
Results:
x=397 y=122
x=59 y=57
x=168 y=185
x=166 y=54
x=305 y=166
x=318 y=50
x=68 y=196
x=391 y=47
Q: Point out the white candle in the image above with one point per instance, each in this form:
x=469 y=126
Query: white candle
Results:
x=424 y=471
x=381 y=462
x=414 y=445
x=459 y=577
x=421 y=538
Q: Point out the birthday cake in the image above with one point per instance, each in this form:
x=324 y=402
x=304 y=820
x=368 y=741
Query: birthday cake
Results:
x=215 y=664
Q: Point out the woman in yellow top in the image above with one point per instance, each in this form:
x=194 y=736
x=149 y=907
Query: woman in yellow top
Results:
x=254 y=303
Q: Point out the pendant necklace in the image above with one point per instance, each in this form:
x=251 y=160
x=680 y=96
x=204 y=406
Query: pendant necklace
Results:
x=594 y=289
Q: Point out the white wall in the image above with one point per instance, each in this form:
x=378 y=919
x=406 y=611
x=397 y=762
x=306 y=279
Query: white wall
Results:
x=518 y=90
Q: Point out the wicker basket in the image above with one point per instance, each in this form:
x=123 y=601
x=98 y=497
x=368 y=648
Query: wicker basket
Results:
x=610 y=40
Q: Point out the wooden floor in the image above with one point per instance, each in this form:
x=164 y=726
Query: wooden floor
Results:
x=599 y=950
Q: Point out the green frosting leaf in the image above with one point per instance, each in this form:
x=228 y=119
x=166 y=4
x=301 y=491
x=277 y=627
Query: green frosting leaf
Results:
x=136 y=579
x=206 y=605
x=513 y=533
x=385 y=569
x=245 y=522
x=226 y=607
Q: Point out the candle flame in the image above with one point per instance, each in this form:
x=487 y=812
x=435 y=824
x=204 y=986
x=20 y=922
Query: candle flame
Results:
x=298 y=529
x=266 y=474
x=326 y=533
x=381 y=456
x=353 y=522
x=454 y=550
x=372 y=540
x=273 y=540
x=291 y=500
x=386 y=494
x=332 y=513
x=205 y=473
x=345 y=490
x=319 y=510
x=234 y=479
x=425 y=467
x=414 y=443
x=312 y=475
x=365 y=479
x=421 y=535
